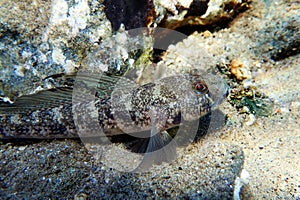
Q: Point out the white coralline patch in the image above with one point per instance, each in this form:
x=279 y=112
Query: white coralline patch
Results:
x=216 y=6
x=43 y=57
x=100 y=31
x=169 y=5
x=70 y=66
x=184 y=3
x=58 y=56
x=69 y=20
x=213 y=7
x=59 y=12
x=79 y=14
x=58 y=17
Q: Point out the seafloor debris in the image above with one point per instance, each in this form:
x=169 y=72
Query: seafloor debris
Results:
x=244 y=94
x=256 y=103
x=239 y=70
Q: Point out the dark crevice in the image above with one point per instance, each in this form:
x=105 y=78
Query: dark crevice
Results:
x=222 y=23
x=131 y=13
x=291 y=48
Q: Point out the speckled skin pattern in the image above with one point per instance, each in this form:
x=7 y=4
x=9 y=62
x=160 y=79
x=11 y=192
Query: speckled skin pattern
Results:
x=45 y=123
x=167 y=102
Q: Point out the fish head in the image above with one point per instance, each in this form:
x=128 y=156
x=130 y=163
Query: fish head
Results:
x=204 y=92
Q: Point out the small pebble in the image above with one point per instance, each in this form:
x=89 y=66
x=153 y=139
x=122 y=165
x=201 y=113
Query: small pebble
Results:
x=22 y=148
x=251 y=119
x=295 y=105
x=239 y=70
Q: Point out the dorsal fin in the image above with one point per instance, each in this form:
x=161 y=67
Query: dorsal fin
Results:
x=42 y=99
x=103 y=84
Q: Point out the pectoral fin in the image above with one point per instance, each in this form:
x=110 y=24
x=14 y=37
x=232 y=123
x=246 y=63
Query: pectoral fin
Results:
x=161 y=146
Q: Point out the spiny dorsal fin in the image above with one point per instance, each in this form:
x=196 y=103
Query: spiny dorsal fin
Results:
x=42 y=99
x=104 y=85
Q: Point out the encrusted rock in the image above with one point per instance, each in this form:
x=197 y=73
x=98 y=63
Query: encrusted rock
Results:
x=177 y=13
x=44 y=38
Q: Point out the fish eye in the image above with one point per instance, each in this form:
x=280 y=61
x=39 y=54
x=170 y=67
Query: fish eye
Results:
x=200 y=88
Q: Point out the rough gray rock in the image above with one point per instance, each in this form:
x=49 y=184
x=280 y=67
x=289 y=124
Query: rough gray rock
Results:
x=64 y=169
x=44 y=38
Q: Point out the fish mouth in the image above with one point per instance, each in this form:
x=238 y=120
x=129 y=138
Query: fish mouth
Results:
x=216 y=99
x=209 y=103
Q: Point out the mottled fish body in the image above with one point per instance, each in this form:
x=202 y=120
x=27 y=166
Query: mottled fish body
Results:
x=50 y=114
